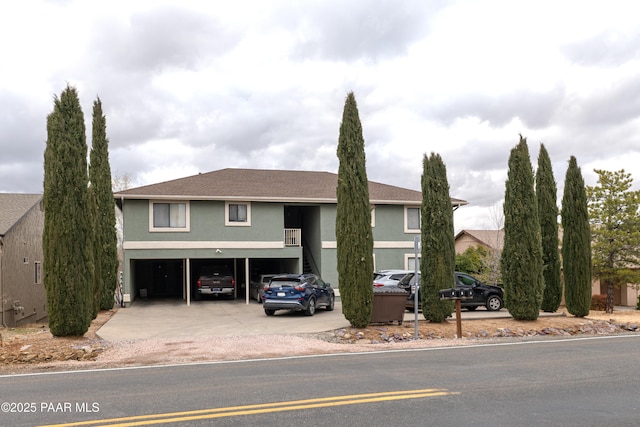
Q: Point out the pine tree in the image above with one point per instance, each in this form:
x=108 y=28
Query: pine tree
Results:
x=67 y=236
x=521 y=259
x=615 y=231
x=353 y=221
x=438 y=255
x=106 y=237
x=546 y=193
x=576 y=243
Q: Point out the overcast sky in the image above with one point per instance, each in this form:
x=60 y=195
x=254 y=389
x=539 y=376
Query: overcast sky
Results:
x=195 y=86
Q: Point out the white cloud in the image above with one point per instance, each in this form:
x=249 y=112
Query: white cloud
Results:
x=193 y=86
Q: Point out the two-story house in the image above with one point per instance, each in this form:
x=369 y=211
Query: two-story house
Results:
x=254 y=221
x=23 y=299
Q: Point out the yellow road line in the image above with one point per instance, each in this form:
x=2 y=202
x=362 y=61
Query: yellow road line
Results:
x=262 y=408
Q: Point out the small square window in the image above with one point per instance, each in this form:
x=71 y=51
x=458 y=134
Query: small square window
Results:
x=238 y=213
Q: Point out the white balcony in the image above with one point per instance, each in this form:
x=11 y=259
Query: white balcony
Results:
x=293 y=237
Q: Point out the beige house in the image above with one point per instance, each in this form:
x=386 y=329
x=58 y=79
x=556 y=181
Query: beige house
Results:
x=624 y=296
x=22 y=294
x=490 y=239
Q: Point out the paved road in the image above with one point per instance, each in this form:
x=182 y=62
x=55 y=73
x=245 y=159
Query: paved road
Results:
x=575 y=382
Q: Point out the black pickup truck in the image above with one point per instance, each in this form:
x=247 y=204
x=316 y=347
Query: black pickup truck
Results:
x=215 y=280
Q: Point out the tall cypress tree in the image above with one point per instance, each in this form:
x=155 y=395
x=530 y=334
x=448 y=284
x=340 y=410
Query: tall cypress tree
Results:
x=67 y=236
x=106 y=239
x=438 y=256
x=521 y=259
x=546 y=193
x=576 y=242
x=97 y=266
x=353 y=220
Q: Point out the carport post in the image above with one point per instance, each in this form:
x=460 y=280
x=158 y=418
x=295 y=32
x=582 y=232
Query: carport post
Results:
x=188 y=281
x=247 y=282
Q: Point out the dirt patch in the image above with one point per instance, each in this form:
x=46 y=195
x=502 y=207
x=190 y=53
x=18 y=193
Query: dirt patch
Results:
x=34 y=344
x=34 y=349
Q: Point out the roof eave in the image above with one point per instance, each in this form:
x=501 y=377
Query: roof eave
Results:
x=268 y=199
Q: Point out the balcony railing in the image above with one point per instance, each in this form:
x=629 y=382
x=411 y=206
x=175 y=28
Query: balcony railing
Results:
x=292 y=237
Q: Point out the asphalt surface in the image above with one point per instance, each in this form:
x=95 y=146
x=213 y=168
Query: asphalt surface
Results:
x=562 y=382
x=174 y=319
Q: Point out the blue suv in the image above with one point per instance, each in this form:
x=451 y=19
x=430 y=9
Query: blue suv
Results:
x=297 y=292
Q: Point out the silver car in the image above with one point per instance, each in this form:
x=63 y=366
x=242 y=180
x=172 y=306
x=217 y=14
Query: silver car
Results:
x=256 y=290
x=388 y=277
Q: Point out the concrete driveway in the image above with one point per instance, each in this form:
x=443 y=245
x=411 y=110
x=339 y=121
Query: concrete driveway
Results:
x=174 y=319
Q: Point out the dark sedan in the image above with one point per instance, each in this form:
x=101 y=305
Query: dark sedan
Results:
x=297 y=292
x=489 y=296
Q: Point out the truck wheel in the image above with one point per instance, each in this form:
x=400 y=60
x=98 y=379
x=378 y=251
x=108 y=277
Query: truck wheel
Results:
x=269 y=312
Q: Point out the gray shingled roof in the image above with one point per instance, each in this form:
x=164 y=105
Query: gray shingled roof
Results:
x=267 y=185
x=13 y=207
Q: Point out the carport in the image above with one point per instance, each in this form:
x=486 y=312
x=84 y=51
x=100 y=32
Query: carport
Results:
x=175 y=278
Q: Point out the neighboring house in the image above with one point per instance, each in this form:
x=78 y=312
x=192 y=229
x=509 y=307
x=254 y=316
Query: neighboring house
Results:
x=22 y=295
x=490 y=239
x=494 y=241
x=254 y=221
x=623 y=295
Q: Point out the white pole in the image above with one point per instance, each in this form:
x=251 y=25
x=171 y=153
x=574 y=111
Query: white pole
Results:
x=188 y=274
x=247 y=280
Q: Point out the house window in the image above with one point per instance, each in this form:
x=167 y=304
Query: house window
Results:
x=238 y=213
x=168 y=216
x=410 y=262
x=373 y=216
x=37 y=273
x=411 y=219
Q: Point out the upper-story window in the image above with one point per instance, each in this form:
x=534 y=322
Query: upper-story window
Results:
x=237 y=213
x=411 y=219
x=169 y=216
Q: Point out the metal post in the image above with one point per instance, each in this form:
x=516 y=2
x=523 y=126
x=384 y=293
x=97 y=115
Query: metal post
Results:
x=416 y=246
x=458 y=319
